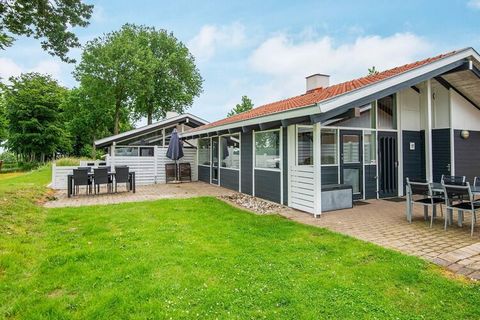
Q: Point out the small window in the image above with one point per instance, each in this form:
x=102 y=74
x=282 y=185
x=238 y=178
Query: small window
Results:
x=267 y=149
x=204 y=151
x=370 y=148
x=386 y=113
x=230 y=151
x=329 y=146
x=304 y=145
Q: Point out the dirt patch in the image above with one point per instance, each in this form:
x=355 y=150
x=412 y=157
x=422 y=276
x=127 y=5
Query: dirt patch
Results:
x=253 y=204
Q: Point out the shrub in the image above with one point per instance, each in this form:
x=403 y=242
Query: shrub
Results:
x=69 y=162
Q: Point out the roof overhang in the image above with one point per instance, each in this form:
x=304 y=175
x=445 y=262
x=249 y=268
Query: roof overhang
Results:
x=340 y=104
x=186 y=118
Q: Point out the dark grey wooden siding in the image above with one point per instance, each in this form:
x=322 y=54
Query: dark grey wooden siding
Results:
x=370 y=182
x=413 y=160
x=204 y=174
x=440 y=153
x=285 y=166
x=267 y=185
x=229 y=178
x=246 y=163
x=467 y=155
x=329 y=175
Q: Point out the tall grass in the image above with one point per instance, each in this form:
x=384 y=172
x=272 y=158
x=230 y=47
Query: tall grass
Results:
x=69 y=161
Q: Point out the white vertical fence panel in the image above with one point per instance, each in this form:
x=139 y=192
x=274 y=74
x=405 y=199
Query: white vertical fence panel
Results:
x=59 y=176
x=302 y=195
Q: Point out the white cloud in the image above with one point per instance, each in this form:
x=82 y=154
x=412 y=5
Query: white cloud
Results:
x=98 y=14
x=474 y=4
x=287 y=62
x=210 y=38
x=9 y=68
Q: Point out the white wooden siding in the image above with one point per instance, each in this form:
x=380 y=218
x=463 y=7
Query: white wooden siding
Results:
x=302 y=192
x=148 y=170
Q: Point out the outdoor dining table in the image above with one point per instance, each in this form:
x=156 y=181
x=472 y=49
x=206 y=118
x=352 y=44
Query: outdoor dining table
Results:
x=91 y=174
x=437 y=187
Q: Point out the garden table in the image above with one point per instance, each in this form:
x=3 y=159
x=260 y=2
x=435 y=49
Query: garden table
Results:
x=90 y=174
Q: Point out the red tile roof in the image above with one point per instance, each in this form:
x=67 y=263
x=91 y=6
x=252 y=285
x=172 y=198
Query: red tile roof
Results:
x=317 y=95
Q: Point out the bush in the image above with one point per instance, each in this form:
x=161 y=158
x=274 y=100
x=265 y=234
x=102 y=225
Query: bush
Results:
x=69 y=162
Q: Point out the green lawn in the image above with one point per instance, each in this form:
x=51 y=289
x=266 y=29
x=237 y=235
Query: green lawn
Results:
x=201 y=258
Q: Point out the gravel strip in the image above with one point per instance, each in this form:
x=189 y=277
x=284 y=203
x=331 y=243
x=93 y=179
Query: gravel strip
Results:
x=253 y=204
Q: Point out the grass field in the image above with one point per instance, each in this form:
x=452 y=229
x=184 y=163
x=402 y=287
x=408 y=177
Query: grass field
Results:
x=201 y=258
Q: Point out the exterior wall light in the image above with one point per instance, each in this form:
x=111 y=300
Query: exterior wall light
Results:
x=465 y=134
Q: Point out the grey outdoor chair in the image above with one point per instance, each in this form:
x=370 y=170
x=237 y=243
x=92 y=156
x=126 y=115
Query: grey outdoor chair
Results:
x=101 y=176
x=81 y=178
x=460 y=198
x=184 y=172
x=122 y=175
x=423 y=191
x=452 y=179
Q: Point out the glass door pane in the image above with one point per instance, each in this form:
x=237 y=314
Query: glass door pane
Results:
x=351 y=148
x=352 y=177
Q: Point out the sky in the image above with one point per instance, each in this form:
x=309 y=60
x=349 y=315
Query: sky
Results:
x=265 y=49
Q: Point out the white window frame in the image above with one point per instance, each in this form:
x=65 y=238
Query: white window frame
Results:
x=209 y=153
x=296 y=145
x=239 y=148
x=279 y=151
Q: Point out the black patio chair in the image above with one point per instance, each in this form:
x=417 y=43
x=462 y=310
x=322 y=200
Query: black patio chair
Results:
x=81 y=178
x=460 y=198
x=101 y=176
x=89 y=169
x=420 y=192
x=185 y=172
x=122 y=175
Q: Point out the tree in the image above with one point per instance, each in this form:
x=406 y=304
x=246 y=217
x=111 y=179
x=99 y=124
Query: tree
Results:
x=44 y=19
x=112 y=66
x=3 y=117
x=171 y=79
x=33 y=104
x=89 y=119
x=372 y=71
x=245 y=105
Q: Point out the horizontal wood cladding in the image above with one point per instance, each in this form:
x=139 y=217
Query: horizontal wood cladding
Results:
x=413 y=160
x=229 y=178
x=329 y=175
x=204 y=174
x=246 y=163
x=440 y=153
x=467 y=155
x=370 y=182
x=267 y=185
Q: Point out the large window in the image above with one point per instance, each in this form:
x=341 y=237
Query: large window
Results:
x=230 y=151
x=387 y=113
x=204 y=151
x=329 y=146
x=304 y=145
x=267 y=149
x=370 y=150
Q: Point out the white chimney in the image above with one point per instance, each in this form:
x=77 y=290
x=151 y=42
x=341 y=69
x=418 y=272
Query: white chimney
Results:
x=317 y=80
x=171 y=114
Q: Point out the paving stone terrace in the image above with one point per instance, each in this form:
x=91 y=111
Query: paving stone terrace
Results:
x=378 y=221
x=384 y=223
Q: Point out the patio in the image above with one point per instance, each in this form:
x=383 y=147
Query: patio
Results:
x=384 y=223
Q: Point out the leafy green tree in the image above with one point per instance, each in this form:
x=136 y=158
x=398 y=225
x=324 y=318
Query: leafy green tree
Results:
x=44 y=19
x=3 y=117
x=33 y=107
x=113 y=66
x=89 y=119
x=245 y=105
x=171 y=79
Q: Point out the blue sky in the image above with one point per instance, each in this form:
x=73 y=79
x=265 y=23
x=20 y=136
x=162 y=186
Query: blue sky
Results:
x=264 y=49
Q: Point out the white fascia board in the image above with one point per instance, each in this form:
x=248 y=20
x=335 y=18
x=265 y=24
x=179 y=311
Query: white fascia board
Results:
x=338 y=101
x=150 y=126
x=352 y=96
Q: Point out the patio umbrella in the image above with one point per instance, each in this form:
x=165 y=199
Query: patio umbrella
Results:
x=175 y=149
